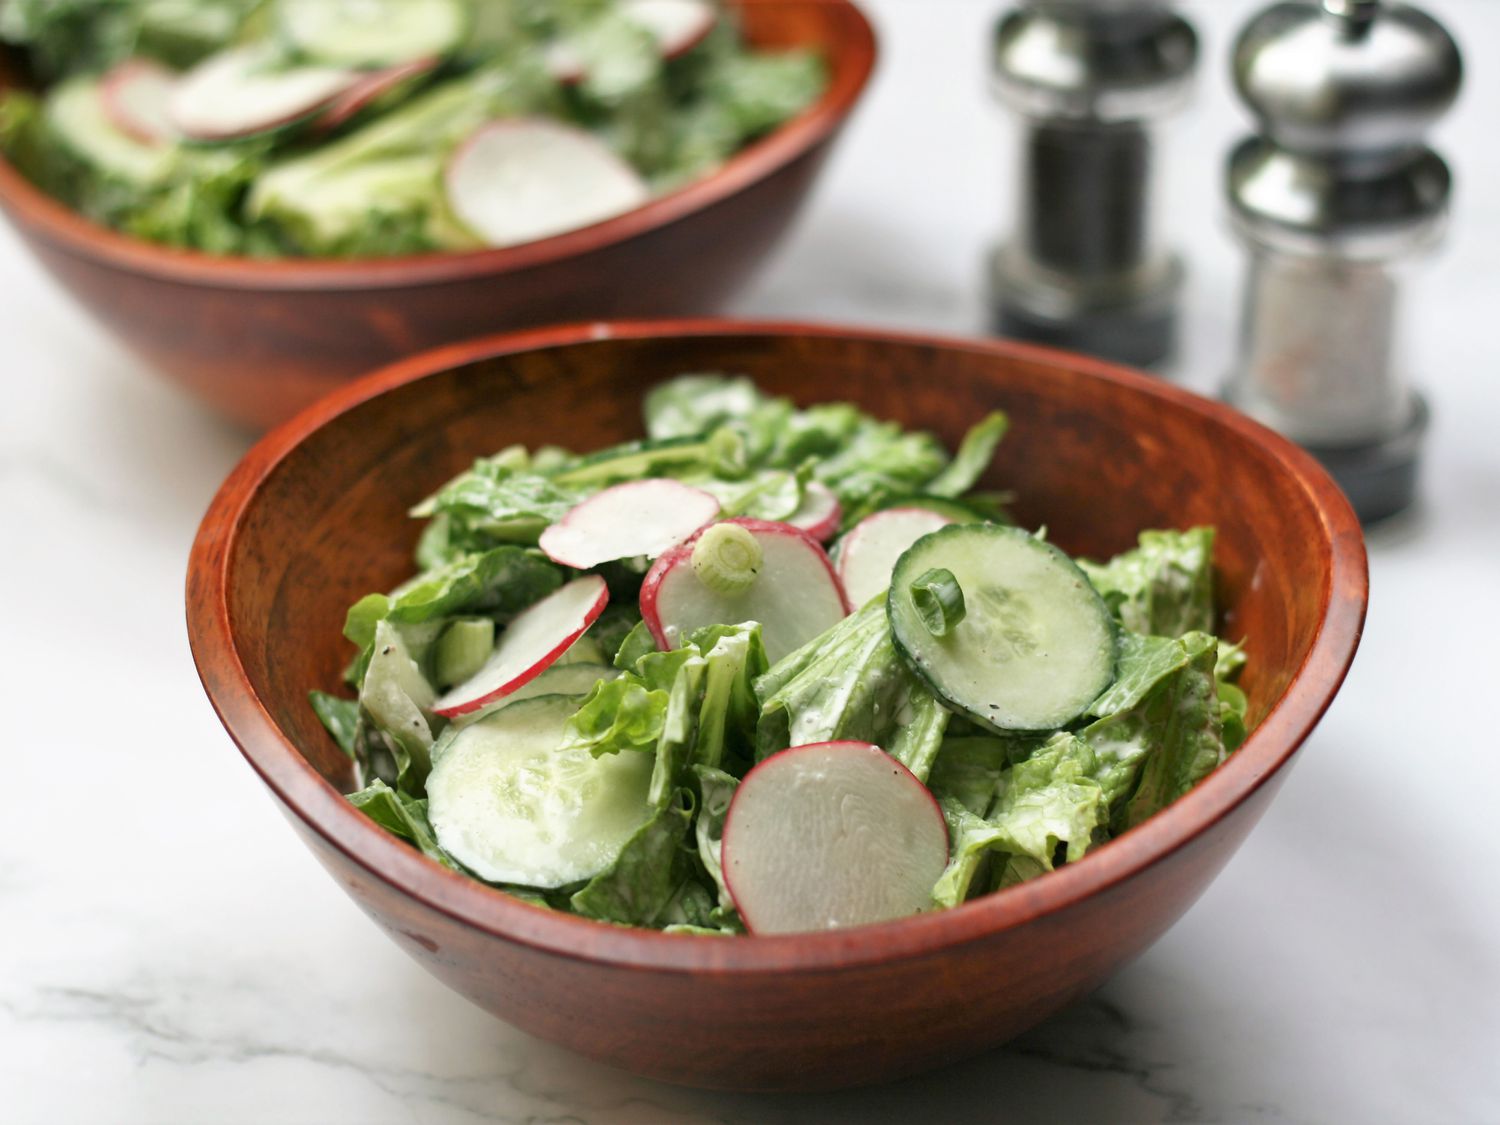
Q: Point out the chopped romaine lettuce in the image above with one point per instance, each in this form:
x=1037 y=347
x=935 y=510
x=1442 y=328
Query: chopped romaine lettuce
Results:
x=402 y=816
x=366 y=179
x=1164 y=587
x=1017 y=804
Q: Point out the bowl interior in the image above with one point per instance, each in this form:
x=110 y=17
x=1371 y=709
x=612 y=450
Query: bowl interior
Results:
x=1096 y=456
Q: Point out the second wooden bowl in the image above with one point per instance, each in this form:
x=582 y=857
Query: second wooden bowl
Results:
x=315 y=517
x=259 y=340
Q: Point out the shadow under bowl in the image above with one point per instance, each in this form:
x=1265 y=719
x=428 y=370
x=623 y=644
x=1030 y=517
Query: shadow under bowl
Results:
x=314 y=518
x=259 y=340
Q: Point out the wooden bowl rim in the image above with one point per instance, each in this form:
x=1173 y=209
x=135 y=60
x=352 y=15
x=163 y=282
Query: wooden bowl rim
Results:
x=852 y=58
x=323 y=808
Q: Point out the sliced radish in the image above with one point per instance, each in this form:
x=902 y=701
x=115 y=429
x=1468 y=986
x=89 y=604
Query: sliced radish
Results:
x=869 y=552
x=641 y=518
x=137 y=95
x=677 y=26
x=819 y=513
x=790 y=588
x=530 y=645
x=368 y=89
x=521 y=179
x=240 y=92
x=832 y=834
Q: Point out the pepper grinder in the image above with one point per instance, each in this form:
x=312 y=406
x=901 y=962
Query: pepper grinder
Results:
x=1336 y=192
x=1083 y=268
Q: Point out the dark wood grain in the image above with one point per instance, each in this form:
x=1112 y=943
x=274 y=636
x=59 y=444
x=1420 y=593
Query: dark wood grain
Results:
x=259 y=340
x=314 y=517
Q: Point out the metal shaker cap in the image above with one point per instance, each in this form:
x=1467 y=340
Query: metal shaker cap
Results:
x=1101 y=61
x=1346 y=77
x=1344 y=92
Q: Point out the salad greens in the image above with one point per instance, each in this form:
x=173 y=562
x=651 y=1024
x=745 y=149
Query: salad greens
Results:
x=329 y=128
x=1017 y=802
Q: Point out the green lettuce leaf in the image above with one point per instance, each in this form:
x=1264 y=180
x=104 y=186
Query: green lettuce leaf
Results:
x=646 y=875
x=693 y=405
x=767 y=494
x=877 y=461
x=694 y=705
x=760 y=91
x=74 y=36
x=1052 y=803
x=401 y=815
x=1150 y=754
x=847 y=683
x=866 y=462
x=1142 y=663
x=972 y=769
x=1232 y=707
x=614 y=627
x=618 y=715
x=638 y=642
x=716 y=789
x=500 y=582
x=674 y=748
x=340 y=717
x=1049 y=808
x=974 y=455
x=921 y=722
x=850 y=683
x=398 y=699
x=1164 y=586
x=199 y=208
x=495 y=502
x=971 y=839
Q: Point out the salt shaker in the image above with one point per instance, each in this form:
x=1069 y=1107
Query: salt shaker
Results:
x=1334 y=195
x=1084 y=268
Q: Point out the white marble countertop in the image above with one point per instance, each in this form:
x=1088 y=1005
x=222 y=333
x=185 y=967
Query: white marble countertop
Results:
x=169 y=952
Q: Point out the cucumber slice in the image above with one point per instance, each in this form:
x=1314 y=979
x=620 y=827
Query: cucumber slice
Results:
x=512 y=807
x=1036 y=643
x=576 y=679
x=373 y=33
x=80 y=119
x=246 y=90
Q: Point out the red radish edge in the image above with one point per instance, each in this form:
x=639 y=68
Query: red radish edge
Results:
x=908 y=509
x=304 y=112
x=826 y=524
x=583 y=510
x=534 y=670
x=685 y=43
x=548 y=124
x=682 y=553
x=564 y=65
x=900 y=768
x=368 y=88
x=110 y=94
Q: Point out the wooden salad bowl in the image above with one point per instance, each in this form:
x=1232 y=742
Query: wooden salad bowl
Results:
x=315 y=517
x=259 y=340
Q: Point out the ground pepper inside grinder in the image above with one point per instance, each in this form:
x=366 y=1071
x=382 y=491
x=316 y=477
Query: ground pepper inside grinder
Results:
x=1083 y=268
x=1336 y=190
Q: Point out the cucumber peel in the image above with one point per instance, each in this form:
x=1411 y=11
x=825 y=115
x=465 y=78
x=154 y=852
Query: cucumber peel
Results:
x=1035 y=645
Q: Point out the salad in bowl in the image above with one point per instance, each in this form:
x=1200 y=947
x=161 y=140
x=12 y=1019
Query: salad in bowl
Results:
x=379 y=128
x=773 y=670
